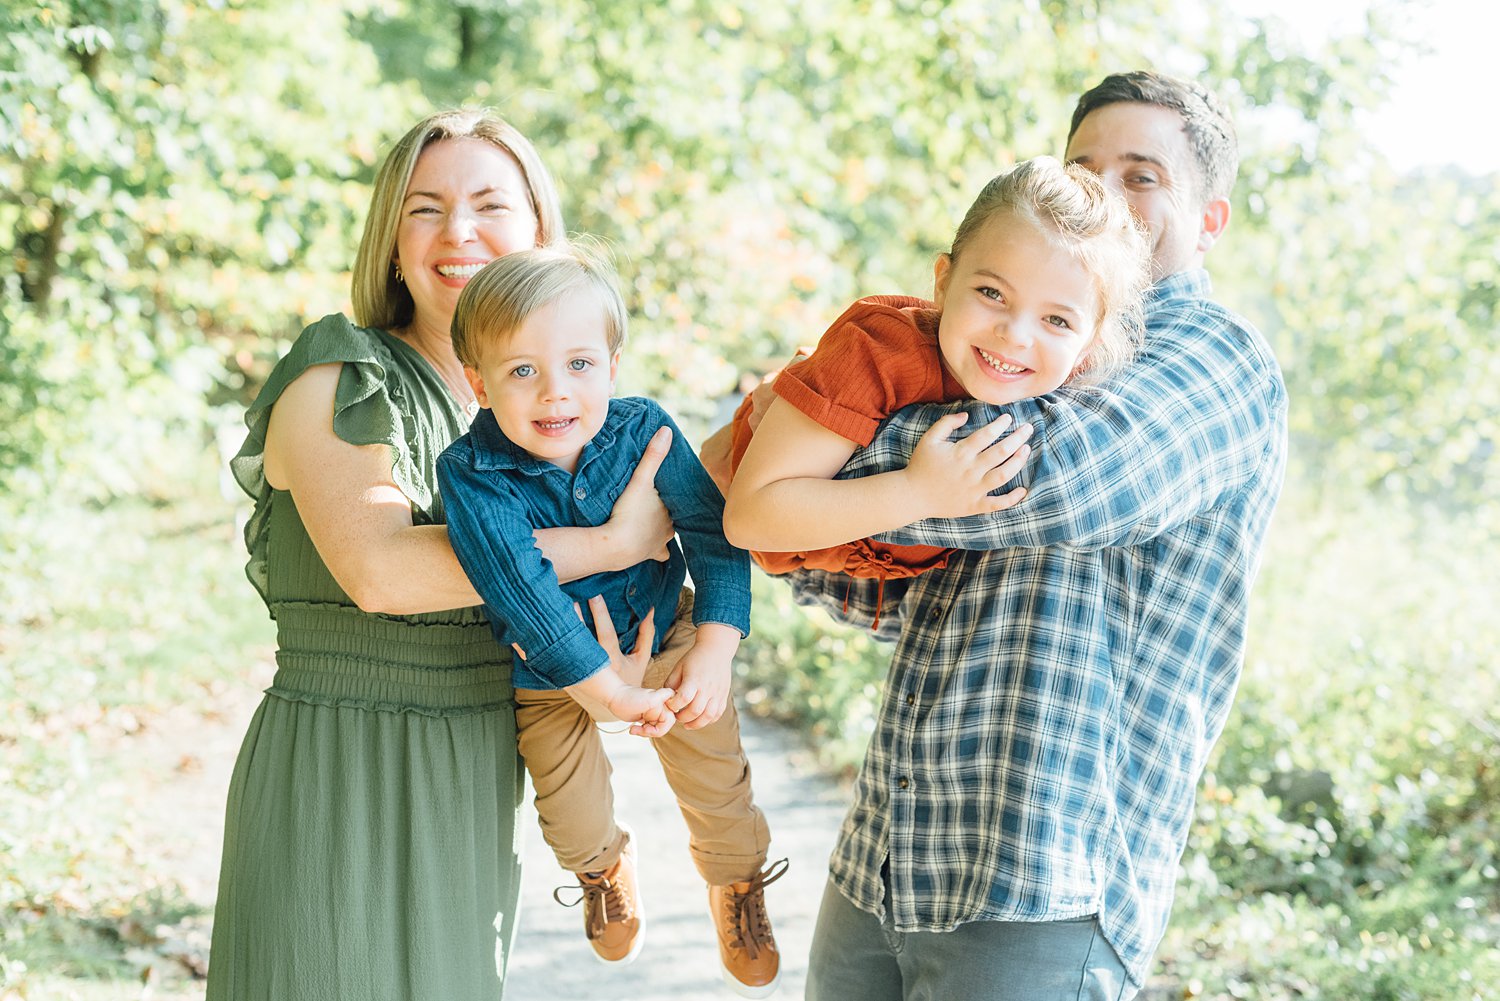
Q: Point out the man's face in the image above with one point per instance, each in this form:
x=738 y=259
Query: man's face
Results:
x=1141 y=151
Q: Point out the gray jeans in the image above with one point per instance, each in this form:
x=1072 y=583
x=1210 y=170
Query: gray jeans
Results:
x=857 y=956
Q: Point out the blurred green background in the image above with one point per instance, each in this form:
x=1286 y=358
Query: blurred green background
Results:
x=183 y=186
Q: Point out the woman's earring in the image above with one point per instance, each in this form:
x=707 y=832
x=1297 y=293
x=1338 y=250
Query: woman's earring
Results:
x=400 y=277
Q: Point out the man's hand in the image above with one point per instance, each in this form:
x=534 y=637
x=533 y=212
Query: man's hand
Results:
x=953 y=479
x=714 y=454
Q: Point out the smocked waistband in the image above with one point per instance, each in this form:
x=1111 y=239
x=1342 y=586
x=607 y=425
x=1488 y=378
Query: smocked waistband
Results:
x=340 y=655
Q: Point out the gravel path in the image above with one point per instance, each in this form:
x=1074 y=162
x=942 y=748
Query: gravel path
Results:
x=553 y=962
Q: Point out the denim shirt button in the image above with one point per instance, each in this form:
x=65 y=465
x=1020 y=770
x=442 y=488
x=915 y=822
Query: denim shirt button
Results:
x=580 y=493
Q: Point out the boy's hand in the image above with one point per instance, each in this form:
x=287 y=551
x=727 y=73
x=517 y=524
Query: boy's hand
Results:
x=702 y=677
x=655 y=722
x=644 y=708
x=952 y=479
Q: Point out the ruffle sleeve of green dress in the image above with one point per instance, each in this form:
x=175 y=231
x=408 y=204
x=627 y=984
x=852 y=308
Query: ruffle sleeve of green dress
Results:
x=369 y=408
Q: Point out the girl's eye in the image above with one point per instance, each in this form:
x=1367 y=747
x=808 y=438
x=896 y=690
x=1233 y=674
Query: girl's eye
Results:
x=523 y=371
x=991 y=293
x=1058 y=321
x=579 y=364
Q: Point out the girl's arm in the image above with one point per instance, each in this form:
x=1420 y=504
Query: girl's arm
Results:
x=784 y=497
x=361 y=524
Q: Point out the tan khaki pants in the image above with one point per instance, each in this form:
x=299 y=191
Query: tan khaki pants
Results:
x=706 y=769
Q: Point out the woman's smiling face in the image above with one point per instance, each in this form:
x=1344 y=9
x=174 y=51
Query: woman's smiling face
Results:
x=466 y=204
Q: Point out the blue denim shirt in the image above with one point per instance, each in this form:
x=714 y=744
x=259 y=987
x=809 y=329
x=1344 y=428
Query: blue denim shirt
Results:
x=495 y=495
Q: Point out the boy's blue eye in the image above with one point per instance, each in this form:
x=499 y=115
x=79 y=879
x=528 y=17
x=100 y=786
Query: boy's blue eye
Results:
x=579 y=364
x=522 y=371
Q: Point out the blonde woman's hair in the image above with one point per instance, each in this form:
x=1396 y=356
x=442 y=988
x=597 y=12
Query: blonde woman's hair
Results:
x=497 y=300
x=379 y=299
x=1072 y=207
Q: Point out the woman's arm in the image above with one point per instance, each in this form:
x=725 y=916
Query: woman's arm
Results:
x=784 y=497
x=361 y=524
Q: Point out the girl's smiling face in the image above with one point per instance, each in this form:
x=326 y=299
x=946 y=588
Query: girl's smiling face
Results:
x=1018 y=312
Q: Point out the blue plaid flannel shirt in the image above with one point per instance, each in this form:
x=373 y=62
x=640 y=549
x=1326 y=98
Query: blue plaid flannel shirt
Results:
x=1054 y=694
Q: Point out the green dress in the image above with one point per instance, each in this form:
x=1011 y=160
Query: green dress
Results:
x=371 y=849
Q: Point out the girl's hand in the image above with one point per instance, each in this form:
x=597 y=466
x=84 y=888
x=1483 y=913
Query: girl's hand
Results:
x=953 y=479
x=639 y=527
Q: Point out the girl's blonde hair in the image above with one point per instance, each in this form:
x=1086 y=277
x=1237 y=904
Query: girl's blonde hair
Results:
x=379 y=299
x=1072 y=207
x=506 y=291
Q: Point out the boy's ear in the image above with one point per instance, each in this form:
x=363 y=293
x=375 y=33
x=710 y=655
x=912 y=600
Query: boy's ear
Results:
x=942 y=270
x=476 y=383
x=1215 y=221
x=614 y=369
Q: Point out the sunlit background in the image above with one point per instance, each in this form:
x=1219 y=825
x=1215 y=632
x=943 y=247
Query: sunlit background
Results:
x=181 y=189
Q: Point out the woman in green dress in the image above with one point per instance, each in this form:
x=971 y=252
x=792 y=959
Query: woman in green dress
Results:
x=371 y=849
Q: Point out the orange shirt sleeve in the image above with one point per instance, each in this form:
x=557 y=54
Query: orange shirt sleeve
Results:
x=876 y=358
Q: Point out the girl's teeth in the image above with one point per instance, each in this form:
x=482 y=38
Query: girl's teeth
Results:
x=999 y=366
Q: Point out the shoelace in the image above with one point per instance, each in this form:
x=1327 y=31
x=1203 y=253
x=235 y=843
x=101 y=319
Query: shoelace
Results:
x=603 y=902
x=747 y=911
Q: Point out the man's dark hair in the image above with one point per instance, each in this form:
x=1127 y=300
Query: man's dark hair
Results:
x=1210 y=133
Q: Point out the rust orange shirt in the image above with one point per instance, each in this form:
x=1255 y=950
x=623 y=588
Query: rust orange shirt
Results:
x=879 y=356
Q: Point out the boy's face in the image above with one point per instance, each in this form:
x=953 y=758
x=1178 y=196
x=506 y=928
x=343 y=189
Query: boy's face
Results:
x=1018 y=312
x=549 y=382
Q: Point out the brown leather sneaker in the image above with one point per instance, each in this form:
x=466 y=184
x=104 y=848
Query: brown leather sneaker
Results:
x=612 y=915
x=747 y=949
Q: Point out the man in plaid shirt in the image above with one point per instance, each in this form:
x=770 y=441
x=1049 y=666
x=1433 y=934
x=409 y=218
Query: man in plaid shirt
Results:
x=1055 y=691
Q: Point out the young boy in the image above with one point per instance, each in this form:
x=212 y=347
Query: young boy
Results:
x=539 y=333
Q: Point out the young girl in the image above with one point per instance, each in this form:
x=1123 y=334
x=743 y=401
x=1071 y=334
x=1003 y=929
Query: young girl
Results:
x=1043 y=285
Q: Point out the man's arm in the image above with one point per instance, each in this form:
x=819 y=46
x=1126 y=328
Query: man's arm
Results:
x=1189 y=423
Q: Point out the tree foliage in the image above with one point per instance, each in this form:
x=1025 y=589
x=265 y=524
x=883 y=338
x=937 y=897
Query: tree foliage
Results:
x=182 y=184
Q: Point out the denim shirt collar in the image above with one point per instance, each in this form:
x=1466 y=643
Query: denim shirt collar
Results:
x=1190 y=284
x=493 y=450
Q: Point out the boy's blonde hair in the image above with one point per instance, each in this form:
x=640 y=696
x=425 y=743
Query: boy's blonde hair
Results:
x=1071 y=206
x=379 y=299
x=497 y=300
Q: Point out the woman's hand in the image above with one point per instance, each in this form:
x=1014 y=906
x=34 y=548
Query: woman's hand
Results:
x=956 y=478
x=616 y=689
x=639 y=527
